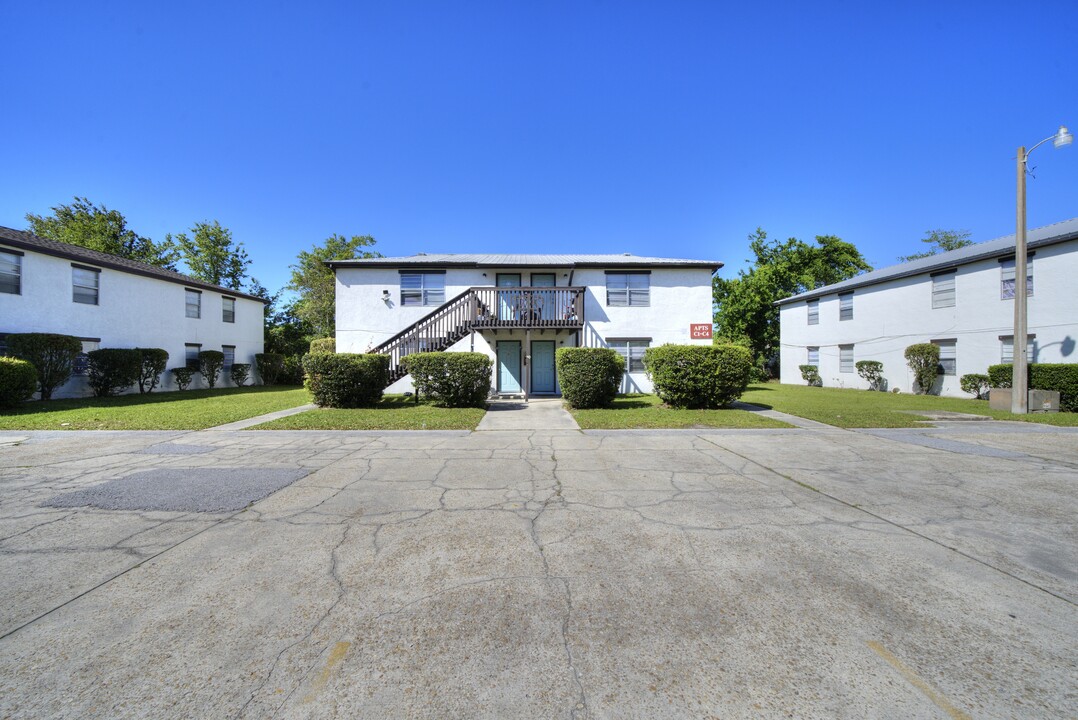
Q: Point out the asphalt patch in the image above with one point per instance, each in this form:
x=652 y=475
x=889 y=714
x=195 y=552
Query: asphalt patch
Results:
x=183 y=489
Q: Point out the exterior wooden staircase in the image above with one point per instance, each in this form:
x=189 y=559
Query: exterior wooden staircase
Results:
x=485 y=308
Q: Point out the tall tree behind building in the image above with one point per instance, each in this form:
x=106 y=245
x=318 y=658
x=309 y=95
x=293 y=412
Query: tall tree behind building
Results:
x=940 y=241
x=745 y=306
x=95 y=227
x=314 y=282
x=211 y=255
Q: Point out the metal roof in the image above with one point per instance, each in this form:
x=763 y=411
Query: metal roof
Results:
x=523 y=260
x=1000 y=247
x=28 y=241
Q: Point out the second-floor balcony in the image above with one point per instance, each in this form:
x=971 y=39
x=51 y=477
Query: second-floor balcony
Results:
x=528 y=307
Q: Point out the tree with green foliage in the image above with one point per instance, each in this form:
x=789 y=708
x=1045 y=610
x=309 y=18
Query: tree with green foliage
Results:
x=314 y=282
x=211 y=255
x=745 y=305
x=940 y=241
x=95 y=227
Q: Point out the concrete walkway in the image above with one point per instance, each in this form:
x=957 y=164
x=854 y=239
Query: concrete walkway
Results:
x=251 y=422
x=781 y=416
x=544 y=414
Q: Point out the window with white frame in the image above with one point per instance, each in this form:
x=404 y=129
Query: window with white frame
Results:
x=845 y=306
x=229 y=351
x=422 y=288
x=943 y=289
x=81 y=364
x=10 y=272
x=632 y=349
x=948 y=356
x=190 y=355
x=1006 y=348
x=1007 y=279
x=228 y=309
x=193 y=303
x=85 y=284
x=813 y=357
x=813 y=312
x=628 y=289
x=845 y=359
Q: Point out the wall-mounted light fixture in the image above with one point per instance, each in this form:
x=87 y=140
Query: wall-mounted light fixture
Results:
x=385 y=296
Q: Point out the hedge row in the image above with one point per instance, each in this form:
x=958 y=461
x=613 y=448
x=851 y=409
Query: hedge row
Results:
x=346 y=380
x=698 y=376
x=1062 y=377
x=53 y=357
x=453 y=379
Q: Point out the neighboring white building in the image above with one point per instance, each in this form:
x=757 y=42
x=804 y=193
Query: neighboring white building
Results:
x=961 y=300
x=111 y=302
x=519 y=309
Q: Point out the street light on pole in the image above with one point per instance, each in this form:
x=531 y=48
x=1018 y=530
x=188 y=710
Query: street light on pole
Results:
x=1020 y=379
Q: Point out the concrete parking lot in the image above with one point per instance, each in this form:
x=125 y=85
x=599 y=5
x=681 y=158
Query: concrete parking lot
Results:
x=772 y=573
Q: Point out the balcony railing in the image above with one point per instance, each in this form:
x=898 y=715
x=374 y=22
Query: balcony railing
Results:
x=528 y=307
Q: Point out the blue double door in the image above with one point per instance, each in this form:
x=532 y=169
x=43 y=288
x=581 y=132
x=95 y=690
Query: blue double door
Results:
x=511 y=367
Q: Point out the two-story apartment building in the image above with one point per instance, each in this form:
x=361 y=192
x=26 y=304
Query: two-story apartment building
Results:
x=961 y=300
x=109 y=301
x=519 y=309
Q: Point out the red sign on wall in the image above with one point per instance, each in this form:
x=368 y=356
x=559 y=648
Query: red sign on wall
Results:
x=699 y=332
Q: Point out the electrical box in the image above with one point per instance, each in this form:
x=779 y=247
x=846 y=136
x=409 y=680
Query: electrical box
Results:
x=1039 y=400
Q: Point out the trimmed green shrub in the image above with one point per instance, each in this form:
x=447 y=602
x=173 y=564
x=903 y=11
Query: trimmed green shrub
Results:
x=210 y=363
x=589 y=377
x=698 y=376
x=924 y=361
x=1001 y=376
x=975 y=384
x=152 y=362
x=811 y=375
x=1061 y=377
x=113 y=370
x=292 y=370
x=346 y=380
x=53 y=357
x=454 y=379
x=872 y=372
x=269 y=366
x=182 y=376
x=239 y=373
x=324 y=345
x=18 y=381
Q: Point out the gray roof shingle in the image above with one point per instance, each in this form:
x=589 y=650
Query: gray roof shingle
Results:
x=1000 y=247
x=28 y=241
x=524 y=260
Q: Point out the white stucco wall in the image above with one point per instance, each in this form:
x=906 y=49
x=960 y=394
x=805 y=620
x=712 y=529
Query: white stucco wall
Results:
x=679 y=297
x=133 y=311
x=890 y=316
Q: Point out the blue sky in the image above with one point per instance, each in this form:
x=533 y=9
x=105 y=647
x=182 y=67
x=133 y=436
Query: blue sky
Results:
x=662 y=128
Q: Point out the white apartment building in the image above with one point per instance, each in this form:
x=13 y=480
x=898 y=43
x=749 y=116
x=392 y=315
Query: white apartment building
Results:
x=961 y=300
x=111 y=302
x=518 y=309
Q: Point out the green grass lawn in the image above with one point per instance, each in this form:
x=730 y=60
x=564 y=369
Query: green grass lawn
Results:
x=188 y=410
x=395 y=412
x=862 y=408
x=646 y=411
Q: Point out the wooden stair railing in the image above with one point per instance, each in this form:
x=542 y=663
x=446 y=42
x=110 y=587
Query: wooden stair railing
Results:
x=483 y=308
x=434 y=332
